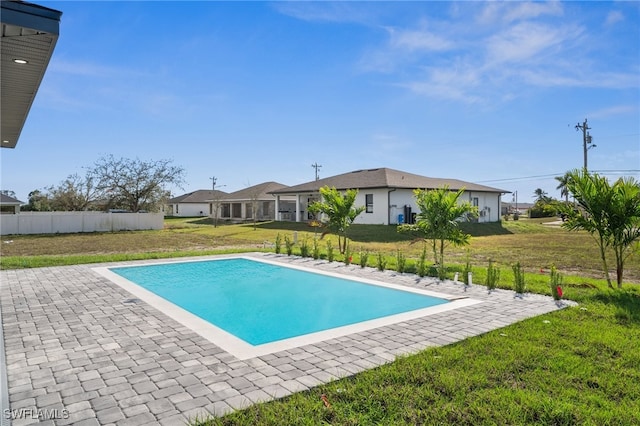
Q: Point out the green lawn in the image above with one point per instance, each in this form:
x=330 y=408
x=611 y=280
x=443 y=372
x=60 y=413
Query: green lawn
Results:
x=580 y=365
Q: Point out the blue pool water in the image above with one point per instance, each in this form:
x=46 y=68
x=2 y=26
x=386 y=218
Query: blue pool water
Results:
x=262 y=303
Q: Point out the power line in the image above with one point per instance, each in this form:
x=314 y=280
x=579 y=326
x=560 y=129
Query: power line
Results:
x=553 y=175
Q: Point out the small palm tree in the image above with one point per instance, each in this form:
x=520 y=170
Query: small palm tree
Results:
x=339 y=212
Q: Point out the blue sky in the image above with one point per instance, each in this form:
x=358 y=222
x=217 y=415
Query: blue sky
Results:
x=486 y=92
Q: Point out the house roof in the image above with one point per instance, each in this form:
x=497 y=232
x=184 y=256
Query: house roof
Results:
x=200 y=196
x=5 y=199
x=385 y=178
x=29 y=35
x=261 y=191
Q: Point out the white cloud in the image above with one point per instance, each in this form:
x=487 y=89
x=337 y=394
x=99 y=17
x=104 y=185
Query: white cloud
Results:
x=614 y=17
x=614 y=111
x=412 y=40
x=506 y=12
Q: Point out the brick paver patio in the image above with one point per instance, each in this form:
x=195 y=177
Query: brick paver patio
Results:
x=78 y=352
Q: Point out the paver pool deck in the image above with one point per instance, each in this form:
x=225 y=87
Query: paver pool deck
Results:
x=77 y=351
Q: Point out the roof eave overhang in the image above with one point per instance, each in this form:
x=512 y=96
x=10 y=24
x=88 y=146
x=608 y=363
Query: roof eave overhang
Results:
x=29 y=32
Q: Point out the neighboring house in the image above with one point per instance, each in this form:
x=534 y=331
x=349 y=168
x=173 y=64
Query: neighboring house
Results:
x=9 y=205
x=255 y=200
x=388 y=195
x=511 y=207
x=196 y=203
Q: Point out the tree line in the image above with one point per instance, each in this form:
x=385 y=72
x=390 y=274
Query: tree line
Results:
x=111 y=183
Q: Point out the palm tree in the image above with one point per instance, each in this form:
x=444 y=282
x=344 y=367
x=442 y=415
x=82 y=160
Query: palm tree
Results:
x=563 y=181
x=540 y=194
x=339 y=212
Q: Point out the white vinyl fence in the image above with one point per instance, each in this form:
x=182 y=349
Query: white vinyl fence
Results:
x=72 y=222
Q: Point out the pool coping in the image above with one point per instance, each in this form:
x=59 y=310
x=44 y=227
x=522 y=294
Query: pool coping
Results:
x=244 y=350
x=76 y=347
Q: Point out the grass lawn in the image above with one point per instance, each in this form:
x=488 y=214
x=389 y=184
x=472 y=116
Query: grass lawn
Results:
x=580 y=365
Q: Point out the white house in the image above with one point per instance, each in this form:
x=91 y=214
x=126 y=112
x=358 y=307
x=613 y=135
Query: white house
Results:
x=9 y=204
x=388 y=195
x=196 y=203
x=243 y=204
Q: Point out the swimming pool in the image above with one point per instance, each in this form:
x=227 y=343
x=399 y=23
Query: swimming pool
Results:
x=252 y=306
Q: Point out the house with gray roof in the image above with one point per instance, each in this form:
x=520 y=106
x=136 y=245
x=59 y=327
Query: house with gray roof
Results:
x=254 y=201
x=9 y=205
x=388 y=195
x=196 y=203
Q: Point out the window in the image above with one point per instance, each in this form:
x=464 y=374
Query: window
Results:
x=210 y=208
x=266 y=207
x=249 y=210
x=236 y=210
x=226 y=210
x=369 y=202
x=475 y=202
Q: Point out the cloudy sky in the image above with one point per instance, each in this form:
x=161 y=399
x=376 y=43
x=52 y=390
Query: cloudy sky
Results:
x=247 y=92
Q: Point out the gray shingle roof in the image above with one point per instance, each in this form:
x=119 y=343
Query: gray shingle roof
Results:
x=5 y=199
x=385 y=178
x=261 y=191
x=199 y=196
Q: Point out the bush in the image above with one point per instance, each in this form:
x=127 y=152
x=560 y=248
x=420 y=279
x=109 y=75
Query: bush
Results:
x=382 y=262
x=493 y=276
x=555 y=283
x=422 y=262
x=278 y=244
x=288 y=243
x=304 y=247
x=401 y=261
x=467 y=269
x=364 y=258
x=330 y=253
x=518 y=275
x=316 y=249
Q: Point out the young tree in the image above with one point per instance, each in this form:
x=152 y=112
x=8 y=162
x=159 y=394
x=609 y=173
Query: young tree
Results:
x=610 y=213
x=135 y=184
x=339 y=212
x=440 y=212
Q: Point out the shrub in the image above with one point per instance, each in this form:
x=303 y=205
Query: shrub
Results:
x=288 y=243
x=382 y=262
x=278 y=244
x=493 y=276
x=304 y=247
x=364 y=258
x=316 y=249
x=422 y=262
x=467 y=269
x=401 y=261
x=330 y=253
x=518 y=275
x=347 y=255
x=555 y=283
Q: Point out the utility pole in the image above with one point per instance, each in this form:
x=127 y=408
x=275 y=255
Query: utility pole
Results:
x=316 y=166
x=213 y=183
x=587 y=143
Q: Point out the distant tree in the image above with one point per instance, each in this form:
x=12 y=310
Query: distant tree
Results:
x=440 y=213
x=338 y=212
x=75 y=193
x=563 y=181
x=540 y=195
x=38 y=202
x=135 y=184
x=8 y=193
x=610 y=213
x=216 y=202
